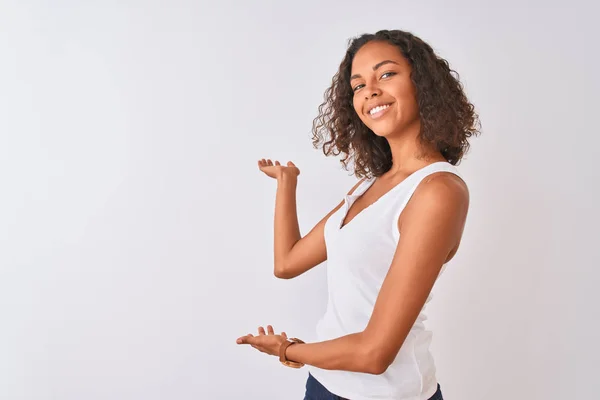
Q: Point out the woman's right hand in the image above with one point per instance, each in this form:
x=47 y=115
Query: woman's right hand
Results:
x=277 y=170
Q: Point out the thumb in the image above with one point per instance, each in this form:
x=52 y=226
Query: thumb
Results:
x=248 y=339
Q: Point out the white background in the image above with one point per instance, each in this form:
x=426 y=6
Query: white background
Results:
x=136 y=230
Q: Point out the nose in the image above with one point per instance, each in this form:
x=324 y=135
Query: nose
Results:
x=372 y=91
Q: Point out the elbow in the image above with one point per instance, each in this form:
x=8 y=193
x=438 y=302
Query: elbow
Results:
x=376 y=360
x=281 y=272
x=376 y=366
x=380 y=369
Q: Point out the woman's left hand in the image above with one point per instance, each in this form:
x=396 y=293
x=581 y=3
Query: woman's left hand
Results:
x=267 y=343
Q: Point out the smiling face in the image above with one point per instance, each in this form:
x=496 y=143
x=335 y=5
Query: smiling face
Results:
x=384 y=95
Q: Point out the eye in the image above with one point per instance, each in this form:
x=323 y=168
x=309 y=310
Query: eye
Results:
x=357 y=87
x=388 y=74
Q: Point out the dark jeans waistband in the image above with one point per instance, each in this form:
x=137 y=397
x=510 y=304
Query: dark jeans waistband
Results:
x=316 y=391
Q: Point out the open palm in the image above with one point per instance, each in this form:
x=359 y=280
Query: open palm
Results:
x=276 y=170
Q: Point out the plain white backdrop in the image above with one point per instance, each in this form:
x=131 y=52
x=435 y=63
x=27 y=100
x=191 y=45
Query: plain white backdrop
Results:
x=136 y=230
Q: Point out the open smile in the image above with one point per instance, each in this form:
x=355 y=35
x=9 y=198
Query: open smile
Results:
x=378 y=111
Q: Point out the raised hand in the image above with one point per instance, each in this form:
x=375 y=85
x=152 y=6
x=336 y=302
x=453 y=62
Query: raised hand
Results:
x=276 y=170
x=266 y=343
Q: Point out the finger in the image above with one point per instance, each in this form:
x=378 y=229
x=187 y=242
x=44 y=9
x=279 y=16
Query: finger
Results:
x=277 y=163
x=291 y=164
x=269 y=162
x=249 y=339
x=261 y=330
x=245 y=339
x=270 y=330
x=284 y=335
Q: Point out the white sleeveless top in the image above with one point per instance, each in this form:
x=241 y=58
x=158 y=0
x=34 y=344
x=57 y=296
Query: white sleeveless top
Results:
x=358 y=258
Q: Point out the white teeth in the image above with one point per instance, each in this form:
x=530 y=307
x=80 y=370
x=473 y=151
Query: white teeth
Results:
x=377 y=109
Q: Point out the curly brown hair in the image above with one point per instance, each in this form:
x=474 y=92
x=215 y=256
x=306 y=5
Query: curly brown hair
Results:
x=447 y=118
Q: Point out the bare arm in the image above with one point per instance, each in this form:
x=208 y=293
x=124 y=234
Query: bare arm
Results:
x=431 y=230
x=294 y=254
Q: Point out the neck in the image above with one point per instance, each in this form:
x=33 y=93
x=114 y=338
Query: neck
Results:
x=409 y=154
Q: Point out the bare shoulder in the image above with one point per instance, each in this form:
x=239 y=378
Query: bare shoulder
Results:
x=443 y=187
x=440 y=195
x=444 y=184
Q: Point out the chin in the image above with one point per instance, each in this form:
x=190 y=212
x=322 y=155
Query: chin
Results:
x=380 y=133
x=382 y=130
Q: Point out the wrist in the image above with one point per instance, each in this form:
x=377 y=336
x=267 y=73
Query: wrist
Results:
x=287 y=178
x=283 y=353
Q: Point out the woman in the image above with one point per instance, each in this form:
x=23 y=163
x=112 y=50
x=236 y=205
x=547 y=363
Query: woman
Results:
x=398 y=113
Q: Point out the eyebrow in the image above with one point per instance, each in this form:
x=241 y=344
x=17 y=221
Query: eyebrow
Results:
x=375 y=68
